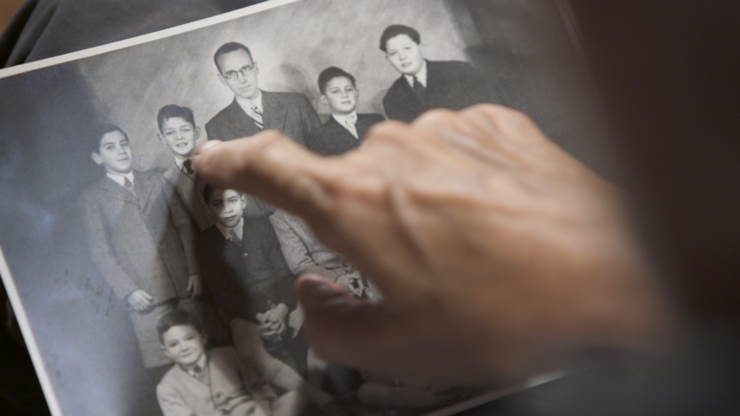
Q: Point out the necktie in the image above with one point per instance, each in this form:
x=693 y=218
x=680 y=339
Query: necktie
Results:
x=351 y=123
x=234 y=238
x=129 y=186
x=257 y=116
x=187 y=167
x=419 y=89
x=200 y=374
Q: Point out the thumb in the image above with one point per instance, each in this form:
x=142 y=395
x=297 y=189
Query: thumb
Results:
x=341 y=328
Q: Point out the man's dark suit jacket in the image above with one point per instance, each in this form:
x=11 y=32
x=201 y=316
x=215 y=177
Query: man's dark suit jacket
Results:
x=332 y=139
x=248 y=279
x=288 y=112
x=450 y=84
x=144 y=242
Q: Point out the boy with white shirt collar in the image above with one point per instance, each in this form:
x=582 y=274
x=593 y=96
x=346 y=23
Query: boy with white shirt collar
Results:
x=178 y=131
x=141 y=239
x=425 y=84
x=345 y=129
x=245 y=271
x=208 y=382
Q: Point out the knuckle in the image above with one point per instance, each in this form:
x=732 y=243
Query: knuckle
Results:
x=258 y=149
x=385 y=130
x=270 y=135
x=506 y=119
x=509 y=116
x=436 y=116
x=393 y=133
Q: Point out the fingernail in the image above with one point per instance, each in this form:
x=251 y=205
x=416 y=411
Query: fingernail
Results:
x=205 y=146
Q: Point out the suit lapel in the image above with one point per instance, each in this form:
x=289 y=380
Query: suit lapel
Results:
x=364 y=122
x=434 y=83
x=144 y=189
x=273 y=113
x=339 y=132
x=411 y=96
x=245 y=249
x=243 y=125
x=172 y=173
x=116 y=191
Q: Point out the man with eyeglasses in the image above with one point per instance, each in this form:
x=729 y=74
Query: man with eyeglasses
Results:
x=254 y=110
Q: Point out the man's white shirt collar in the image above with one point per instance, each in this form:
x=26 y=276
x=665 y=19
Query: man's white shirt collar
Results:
x=121 y=179
x=421 y=76
x=248 y=105
x=238 y=229
x=348 y=121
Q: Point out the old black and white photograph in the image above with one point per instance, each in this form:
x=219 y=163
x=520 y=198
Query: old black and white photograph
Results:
x=149 y=291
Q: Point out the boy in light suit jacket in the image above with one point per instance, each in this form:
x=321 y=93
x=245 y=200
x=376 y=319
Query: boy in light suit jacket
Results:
x=215 y=382
x=141 y=239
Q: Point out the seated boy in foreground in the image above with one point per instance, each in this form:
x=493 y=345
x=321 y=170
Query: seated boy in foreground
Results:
x=211 y=383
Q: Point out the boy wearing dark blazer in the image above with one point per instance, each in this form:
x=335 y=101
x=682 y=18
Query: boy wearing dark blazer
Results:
x=245 y=271
x=141 y=239
x=424 y=84
x=345 y=129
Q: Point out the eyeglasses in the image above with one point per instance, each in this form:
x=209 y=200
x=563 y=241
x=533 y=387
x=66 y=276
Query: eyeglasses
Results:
x=245 y=71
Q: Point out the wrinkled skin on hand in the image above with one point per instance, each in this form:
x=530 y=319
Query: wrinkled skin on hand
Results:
x=497 y=253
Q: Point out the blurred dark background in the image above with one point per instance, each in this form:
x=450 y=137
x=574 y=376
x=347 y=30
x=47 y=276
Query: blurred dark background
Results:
x=20 y=393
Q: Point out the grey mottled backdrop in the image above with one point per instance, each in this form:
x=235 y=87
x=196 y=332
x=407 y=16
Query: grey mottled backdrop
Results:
x=291 y=44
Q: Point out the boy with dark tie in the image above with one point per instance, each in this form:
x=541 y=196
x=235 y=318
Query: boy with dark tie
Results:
x=245 y=270
x=178 y=131
x=345 y=129
x=141 y=239
x=424 y=84
x=207 y=382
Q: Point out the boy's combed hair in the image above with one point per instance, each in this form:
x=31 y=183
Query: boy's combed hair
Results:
x=174 y=111
x=207 y=192
x=177 y=318
x=209 y=189
x=100 y=130
x=228 y=48
x=394 y=30
x=329 y=74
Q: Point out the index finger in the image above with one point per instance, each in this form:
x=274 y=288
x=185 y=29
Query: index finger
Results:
x=269 y=166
